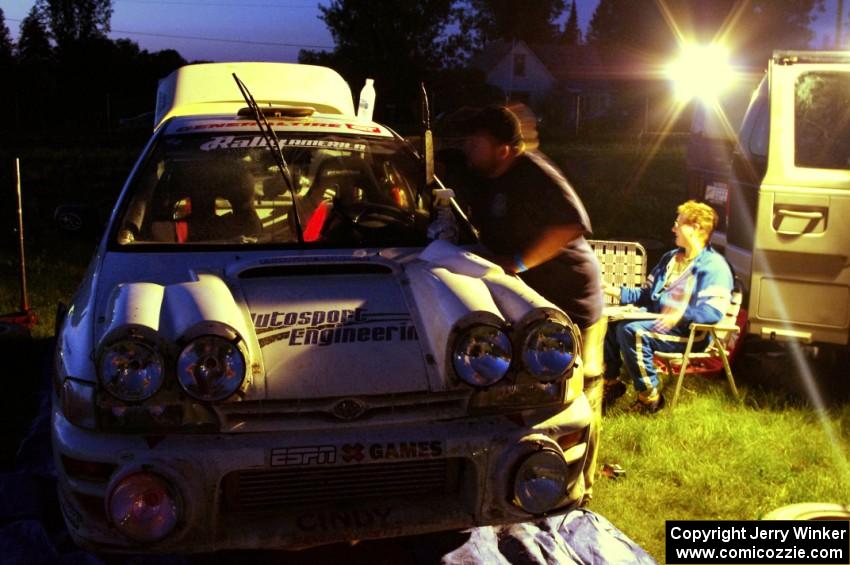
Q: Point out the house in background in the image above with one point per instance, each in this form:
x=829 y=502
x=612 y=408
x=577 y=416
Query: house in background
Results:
x=563 y=84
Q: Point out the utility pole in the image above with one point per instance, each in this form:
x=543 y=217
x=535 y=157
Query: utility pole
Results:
x=25 y=303
x=578 y=113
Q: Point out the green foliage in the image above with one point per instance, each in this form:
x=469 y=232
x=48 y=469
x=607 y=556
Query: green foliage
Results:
x=711 y=459
x=639 y=29
x=377 y=33
x=399 y=44
x=571 y=34
x=510 y=20
x=90 y=173
x=118 y=78
x=630 y=189
x=34 y=41
x=5 y=42
x=75 y=21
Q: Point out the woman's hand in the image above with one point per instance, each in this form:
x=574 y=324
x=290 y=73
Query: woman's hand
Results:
x=610 y=290
x=668 y=320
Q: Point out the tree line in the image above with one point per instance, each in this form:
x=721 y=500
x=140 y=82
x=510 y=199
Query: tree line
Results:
x=64 y=74
x=436 y=41
x=67 y=73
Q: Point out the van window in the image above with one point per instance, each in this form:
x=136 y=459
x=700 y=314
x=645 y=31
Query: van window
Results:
x=755 y=129
x=822 y=120
x=758 y=141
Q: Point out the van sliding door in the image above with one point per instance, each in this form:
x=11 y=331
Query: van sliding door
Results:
x=800 y=286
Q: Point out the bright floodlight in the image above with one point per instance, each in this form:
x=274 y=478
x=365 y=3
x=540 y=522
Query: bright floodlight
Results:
x=701 y=71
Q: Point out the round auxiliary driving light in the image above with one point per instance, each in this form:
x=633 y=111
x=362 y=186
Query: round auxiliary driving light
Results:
x=482 y=355
x=131 y=370
x=541 y=481
x=143 y=507
x=549 y=350
x=210 y=368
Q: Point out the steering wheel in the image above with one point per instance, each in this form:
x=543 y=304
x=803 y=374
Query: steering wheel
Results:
x=360 y=213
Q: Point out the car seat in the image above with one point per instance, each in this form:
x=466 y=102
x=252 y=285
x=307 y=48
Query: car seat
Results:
x=200 y=184
x=343 y=181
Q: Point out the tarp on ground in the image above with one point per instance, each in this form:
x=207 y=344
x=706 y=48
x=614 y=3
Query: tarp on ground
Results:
x=581 y=536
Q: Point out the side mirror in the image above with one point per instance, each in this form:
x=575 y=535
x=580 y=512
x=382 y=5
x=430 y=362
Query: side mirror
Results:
x=78 y=219
x=71 y=218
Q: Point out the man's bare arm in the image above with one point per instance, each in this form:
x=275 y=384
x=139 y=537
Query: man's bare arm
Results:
x=545 y=247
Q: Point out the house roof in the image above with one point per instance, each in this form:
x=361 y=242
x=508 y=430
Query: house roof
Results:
x=490 y=55
x=563 y=61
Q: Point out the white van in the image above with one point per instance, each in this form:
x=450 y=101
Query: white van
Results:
x=787 y=199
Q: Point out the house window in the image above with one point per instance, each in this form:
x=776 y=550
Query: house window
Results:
x=521 y=96
x=519 y=64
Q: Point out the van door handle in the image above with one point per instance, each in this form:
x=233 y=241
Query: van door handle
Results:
x=800 y=214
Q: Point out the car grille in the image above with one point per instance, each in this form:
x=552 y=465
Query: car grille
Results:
x=273 y=415
x=271 y=489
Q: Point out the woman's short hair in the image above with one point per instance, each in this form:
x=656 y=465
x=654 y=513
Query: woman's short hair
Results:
x=699 y=214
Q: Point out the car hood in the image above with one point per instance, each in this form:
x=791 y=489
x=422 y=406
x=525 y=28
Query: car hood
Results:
x=329 y=324
x=337 y=328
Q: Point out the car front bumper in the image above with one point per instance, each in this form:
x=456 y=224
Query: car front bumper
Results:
x=279 y=490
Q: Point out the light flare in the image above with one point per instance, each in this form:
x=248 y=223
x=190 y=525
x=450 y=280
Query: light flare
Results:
x=702 y=72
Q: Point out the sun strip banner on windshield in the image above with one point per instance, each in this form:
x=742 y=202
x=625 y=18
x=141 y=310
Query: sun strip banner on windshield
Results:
x=248 y=141
x=301 y=125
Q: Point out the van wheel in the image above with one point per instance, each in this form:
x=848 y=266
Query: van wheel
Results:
x=795 y=371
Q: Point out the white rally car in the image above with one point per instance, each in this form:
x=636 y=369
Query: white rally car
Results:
x=247 y=365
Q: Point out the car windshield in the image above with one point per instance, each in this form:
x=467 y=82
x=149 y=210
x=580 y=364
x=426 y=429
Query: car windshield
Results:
x=223 y=188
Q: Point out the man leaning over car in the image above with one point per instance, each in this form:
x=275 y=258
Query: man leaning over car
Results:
x=535 y=224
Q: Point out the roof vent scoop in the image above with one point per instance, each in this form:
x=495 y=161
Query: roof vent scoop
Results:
x=278 y=112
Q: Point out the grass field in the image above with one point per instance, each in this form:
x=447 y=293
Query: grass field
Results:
x=709 y=459
x=712 y=458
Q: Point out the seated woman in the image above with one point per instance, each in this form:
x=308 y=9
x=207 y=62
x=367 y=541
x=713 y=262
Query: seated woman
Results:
x=692 y=283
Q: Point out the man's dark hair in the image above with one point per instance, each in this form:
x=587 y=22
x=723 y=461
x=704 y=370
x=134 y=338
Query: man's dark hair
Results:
x=497 y=121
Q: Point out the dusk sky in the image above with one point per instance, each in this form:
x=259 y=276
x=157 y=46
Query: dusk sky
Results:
x=254 y=30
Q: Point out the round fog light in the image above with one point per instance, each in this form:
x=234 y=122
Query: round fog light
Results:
x=143 y=507
x=541 y=481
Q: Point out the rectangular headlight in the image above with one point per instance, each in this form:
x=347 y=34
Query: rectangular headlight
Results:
x=187 y=416
x=575 y=382
x=531 y=394
x=78 y=403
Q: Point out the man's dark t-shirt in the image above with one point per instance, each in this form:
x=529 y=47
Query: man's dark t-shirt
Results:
x=513 y=210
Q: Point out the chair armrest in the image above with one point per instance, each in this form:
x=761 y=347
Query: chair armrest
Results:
x=718 y=327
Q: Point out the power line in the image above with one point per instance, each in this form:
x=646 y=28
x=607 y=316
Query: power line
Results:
x=221 y=40
x=220 y=4
x=213 y=39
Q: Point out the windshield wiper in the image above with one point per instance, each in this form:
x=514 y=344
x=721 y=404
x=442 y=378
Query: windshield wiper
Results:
x=273 y=144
